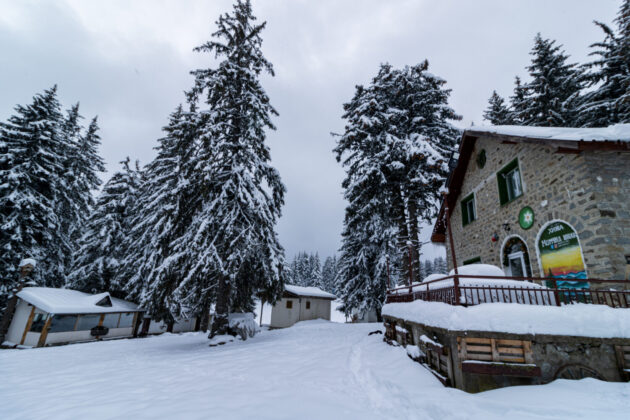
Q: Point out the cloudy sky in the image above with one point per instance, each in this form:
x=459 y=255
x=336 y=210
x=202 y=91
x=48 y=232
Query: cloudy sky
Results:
x=128 y=62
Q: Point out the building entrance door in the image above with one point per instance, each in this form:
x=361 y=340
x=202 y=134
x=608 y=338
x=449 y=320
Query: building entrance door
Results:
x=516 y=264
x=515 y=258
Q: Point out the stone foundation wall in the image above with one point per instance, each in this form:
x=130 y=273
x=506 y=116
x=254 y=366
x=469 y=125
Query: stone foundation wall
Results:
x=556 y=356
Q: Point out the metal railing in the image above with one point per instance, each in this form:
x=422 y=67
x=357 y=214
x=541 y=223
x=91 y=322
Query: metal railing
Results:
x=451 y=290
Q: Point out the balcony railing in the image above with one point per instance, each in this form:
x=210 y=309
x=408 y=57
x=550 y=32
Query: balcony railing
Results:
x=470 y=290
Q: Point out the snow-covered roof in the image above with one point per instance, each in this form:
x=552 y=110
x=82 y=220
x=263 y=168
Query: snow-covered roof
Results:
x=302 y=291
x=67 y=301
x=617 y=132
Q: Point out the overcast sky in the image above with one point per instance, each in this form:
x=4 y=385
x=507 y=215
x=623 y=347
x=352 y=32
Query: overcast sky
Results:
x=128 y=62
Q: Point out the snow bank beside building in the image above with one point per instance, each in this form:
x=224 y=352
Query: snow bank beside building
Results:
x=573 y=320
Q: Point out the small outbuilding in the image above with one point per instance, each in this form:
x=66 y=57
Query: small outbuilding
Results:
x=48 y=316
x=300 y=303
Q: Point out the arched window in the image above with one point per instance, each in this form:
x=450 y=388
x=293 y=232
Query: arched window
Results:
x=560 y=254
x=515 y=258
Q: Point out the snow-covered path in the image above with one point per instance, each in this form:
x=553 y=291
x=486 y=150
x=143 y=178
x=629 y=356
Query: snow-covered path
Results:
x=314 y=370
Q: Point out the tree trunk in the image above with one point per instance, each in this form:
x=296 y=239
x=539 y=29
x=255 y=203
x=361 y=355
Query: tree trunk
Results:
x=220 y=322
x=8 y=316
x=403 y=237
x=414 y=237
x=205 y=319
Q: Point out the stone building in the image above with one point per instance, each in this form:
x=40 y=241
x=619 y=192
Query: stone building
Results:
x=541 y=201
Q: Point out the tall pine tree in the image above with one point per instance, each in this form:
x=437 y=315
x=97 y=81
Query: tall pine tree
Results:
x=552 y=94
x=162 y=213
x=33 y=150
x=395 y=149
x=237 y=250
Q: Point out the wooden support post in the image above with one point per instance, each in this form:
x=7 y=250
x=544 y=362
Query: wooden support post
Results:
x=137 y=319
x=447 y=217
x=262 y=305
x=44 y=333
x=28 y=325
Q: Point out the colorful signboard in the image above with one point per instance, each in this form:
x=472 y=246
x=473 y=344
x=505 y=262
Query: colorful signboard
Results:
x=561 y=255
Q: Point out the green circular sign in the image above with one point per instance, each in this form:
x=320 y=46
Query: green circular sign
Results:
x=526 y=217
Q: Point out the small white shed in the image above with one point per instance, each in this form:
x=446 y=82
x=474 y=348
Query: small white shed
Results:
x=47 y=316
x=300 y=303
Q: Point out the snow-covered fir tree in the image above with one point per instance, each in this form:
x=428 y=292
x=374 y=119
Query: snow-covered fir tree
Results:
x=233 y=238
x=439 y=265
x=395 y=148
x=608 y=102
x=81 y=168
x=315 y=270
x=368 y=244
x=33 y=152
x=100 y=253
x=305 y=270
x=552 y=93
x=163 y=210
x=295 y=274
x=518 y=103
x=498 y=113
x=329 y=274
x=428 y=268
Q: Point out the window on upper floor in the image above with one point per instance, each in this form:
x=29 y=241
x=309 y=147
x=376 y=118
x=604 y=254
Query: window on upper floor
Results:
x=476 y=260
x=509 y=181
x=469 y=212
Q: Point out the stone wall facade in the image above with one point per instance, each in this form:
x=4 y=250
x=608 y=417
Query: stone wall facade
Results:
x=590 y=191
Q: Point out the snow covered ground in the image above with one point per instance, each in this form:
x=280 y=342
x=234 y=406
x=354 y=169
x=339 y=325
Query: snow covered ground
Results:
x=314 y=370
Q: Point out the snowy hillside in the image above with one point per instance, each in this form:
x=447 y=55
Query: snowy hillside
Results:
x=315 y=370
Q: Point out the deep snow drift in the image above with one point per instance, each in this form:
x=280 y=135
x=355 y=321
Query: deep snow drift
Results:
x=314 y=370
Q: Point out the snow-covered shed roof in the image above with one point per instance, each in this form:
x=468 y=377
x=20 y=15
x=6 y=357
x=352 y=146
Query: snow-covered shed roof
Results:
x=67 y=301
x=563 y=139
x=314 y=292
